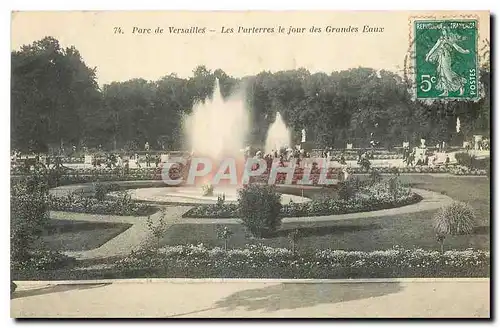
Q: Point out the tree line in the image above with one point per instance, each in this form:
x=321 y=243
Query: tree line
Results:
x=56 y=103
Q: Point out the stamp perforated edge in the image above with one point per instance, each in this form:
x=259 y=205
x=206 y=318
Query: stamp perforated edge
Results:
x=410 y=57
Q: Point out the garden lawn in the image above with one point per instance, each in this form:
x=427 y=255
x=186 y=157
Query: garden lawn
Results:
x=472 y=190
x=69 y=235
x=408 y=230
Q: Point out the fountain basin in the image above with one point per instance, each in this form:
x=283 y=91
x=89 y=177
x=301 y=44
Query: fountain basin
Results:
x=194 y=195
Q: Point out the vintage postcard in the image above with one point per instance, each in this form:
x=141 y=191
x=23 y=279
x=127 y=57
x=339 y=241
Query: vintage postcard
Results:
x=176 y=164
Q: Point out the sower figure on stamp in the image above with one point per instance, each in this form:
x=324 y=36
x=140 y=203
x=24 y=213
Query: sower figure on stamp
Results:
x=441 y=54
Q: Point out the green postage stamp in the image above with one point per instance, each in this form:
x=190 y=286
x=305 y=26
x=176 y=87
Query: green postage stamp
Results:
x=446 y=59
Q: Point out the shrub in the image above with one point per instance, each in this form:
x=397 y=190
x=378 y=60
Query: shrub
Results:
x=455 y=219
x=259 y=208
x=348 y=188
x=29 y=213
x=393 y=187
x=55 y=176
x=29 y=216
x=471 y=162
x=365 y=164
x=346 y=191
x=100 y=191
x=465 y=159
x=375 y=177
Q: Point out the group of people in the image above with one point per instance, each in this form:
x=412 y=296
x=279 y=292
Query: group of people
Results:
x=410 y=158
x=27 y=163
x=116 y=161
x=483 y=144
x=283 y=154
x=148 y=159
x=286 y=155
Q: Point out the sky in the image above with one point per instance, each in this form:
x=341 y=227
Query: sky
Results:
x=127 y=55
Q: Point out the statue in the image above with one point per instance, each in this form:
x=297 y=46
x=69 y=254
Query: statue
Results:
x=442 y=55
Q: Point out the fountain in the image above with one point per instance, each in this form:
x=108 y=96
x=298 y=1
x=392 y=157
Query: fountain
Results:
x=278 y=135
x=217 y=127
x=216 y=130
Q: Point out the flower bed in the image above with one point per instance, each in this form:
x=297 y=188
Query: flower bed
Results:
x=149 y=173
x=335 y=207
x=464 y=170
x=71 y=176
x=311 y=208
x=336 y=172
x=117 y=206
x=103 y=175
x=257 y=261
x=43 y=260
x=90 y=175
x=377 y=197
x=354 y=157
x=73 y=160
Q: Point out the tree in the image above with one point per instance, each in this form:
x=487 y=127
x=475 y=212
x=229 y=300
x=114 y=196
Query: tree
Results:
x=52 y=91
x=294 y=238
x=224 y=233
x=130 y=111
x=56 y=101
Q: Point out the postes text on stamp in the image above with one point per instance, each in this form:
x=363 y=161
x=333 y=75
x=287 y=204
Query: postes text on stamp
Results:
x=446 y=59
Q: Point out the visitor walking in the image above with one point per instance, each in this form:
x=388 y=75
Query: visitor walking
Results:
x=119 y=161
x=14 y=159
x=137 y=161
x=126 y=166
x=411 y=158
x=342 y=159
